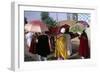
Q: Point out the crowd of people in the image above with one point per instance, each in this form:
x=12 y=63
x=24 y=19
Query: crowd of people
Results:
x=44 y=44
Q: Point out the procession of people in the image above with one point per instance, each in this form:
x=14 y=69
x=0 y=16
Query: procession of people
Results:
x=44 y=44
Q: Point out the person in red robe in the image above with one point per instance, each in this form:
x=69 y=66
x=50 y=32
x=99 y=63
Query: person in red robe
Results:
x=84 y=49
x=32 y=48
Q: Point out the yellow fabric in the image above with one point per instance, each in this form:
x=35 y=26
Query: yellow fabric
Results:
x=61 y=47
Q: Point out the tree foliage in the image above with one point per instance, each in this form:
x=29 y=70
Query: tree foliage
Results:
x=47 y=19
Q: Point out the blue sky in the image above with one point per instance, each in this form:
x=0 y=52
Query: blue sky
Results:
x=32 y=15
x=35 y=15
x=58 y=16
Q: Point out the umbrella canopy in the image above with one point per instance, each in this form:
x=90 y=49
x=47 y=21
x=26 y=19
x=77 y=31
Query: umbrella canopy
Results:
x=84 y=23
x=68 y=22
x=79 y=27
x=55 y=30
x=32 y=28
x=36 y=26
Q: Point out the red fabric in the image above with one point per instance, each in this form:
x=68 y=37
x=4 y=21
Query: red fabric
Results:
x=65 y=26
x=54 y=30
x=32 y=48
x=84 y=49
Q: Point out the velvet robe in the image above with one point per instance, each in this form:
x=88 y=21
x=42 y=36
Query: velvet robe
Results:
x=84 y=49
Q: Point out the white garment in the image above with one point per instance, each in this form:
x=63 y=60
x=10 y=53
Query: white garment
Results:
x=29 y=38
x=88 y=32
x=88 y=35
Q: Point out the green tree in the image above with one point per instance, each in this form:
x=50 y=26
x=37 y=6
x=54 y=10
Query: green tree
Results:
x=47 y=19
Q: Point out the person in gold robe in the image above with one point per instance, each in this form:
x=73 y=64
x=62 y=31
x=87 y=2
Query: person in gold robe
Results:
x=61 y=51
